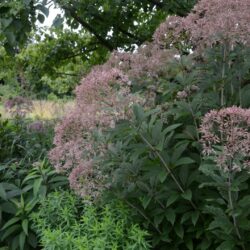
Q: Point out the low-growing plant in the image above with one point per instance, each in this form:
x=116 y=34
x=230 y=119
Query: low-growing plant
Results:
x=25 y=176
x=20 y=191
x=65 y=222
x=24 y=140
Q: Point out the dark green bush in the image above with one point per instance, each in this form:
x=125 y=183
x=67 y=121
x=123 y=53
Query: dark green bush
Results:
x=155 y=163
x=25 y=177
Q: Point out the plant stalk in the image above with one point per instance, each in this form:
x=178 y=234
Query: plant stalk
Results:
x=223 y=76
x=230 y=201
x=166 y=167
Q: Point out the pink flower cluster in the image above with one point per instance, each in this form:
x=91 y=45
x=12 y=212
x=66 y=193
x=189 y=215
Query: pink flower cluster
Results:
x=182 y=95
x=210 y=22
x=147 y=62
x=36 y=126
x=84 y=180
x=102 y=98
x=226 y=137
x=104 y=95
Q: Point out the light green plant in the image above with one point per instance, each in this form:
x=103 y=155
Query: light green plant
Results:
x=65 y=222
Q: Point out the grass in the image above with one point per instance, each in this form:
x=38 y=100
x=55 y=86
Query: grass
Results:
x=45 y=110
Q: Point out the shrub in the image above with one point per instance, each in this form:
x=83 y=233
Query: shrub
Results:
x=152 y=159
x=25 y=177
x=24 y=141
x=21 y=188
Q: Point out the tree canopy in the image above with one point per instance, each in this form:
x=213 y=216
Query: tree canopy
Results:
x=111 y=23
x=53 y=59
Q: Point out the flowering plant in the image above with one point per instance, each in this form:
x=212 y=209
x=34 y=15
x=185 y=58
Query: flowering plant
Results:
x=18 y=106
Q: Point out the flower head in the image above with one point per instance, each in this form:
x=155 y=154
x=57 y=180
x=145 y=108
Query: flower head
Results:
x=209 y=23
x=226 y=136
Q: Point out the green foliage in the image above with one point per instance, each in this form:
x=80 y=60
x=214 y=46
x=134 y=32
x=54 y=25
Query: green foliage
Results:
x=25 y=177
x=65 y=222
x=7 y=74
x=227 y=199
x=21 y=188
x=225 y=75
x=153 y=167
x=17 y=20
x=56 y=63
x=131 y=22
x=20 y=144
x=153 y=161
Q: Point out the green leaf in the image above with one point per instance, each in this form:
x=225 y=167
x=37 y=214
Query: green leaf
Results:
x=156 y=131
x=37 y=185
x=189 y=244
x=8 y=207
x=170 y=215
x=10 y=230
x=205 y=244
x=184 y=161
x=15 y=242
x=172 y=198
x=32 y=240
x=185 y=217
x=5 y=22
x=58 y=178
x=245 y=201
x=2 y=192
x=25 y=224
x=13 y=193
x=139 y=113
x=58 y=21
x=195 y=217
x=228 y=245
x=22 y=238
x=10 y=222
x=27 y=2
x=179 y=230
x=158 y=219
x=145 y=201
x=10 y=37
x=163 y=175
x=187 y=195
x=43 y=9
x=171 y=127
x=160 y=145
x=22 y=203
x=178 y=151
x=30 y=177
x=41 y=18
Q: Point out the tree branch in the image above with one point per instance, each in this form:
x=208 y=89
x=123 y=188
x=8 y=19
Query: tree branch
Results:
x=81 y=53
x=119 y=28
x=87 y=26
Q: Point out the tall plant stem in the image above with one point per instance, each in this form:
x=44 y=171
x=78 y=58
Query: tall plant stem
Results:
x=240 y=96
x=166 y=167
x=230 y=201
x=223 y=75
x=143 y=215
x=194 y=119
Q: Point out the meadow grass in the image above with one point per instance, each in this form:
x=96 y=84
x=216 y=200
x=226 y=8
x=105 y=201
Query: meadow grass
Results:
x=44 y=110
